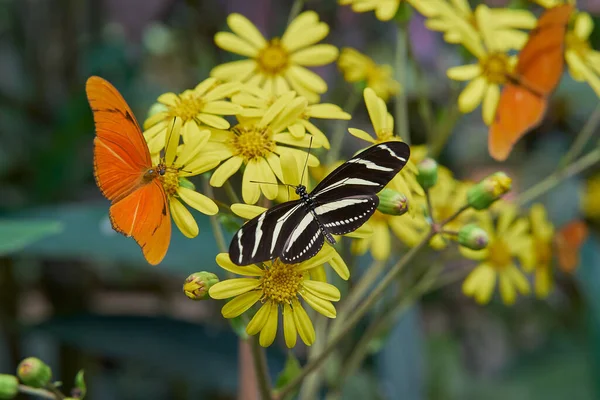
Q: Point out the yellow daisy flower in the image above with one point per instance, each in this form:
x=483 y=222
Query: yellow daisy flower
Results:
x=589 y=199
x=358 y=67
x=258 y=144
x=384 y=9
x=540 y=257
x=181 y=162
x=485 y=77
x=279 y=63
x=279 y=287
x=456 y=19
x=202 y=106
x=508 y=239
x=583 y=61
x=383 y=125
x=256 y=101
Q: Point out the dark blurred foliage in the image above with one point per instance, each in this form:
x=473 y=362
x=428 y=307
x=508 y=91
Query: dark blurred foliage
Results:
x=83 y=297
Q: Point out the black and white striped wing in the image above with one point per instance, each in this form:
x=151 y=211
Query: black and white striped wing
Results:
x=262 y=238
x=304 y=241
x=364 y=174
x=346 y=215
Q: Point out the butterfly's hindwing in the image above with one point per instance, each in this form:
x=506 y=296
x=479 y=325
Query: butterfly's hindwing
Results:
x=364 y=174
x=304 y=241
x=346 y=215
x=262 y=237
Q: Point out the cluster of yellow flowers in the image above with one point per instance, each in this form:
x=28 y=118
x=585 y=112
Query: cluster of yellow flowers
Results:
x=259 y=115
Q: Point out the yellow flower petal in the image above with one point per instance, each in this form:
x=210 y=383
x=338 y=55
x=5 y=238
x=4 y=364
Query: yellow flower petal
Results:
x=266 y=175
x=327 y=111
x=172 y=140
x=233 y=43
x=249 y=270
x=309 y=79
x=381 y=245
x=464 y=72
x=471 y=96
x=362 y=232
x=377 y=112
x=242 y=27
x=324 y=255
x=490 y=103
x=247 y=211
x=289 y=326
x=386 y=10
x=317 y=133
x=584 y=25
x=303 y=323
x=241 y=70
x=259 y=320
x=339 y=266
x=268 y=332
x=183 y=218
x=311 y=34
x=198 y=201
x=543 y=282
x=318 y=304
x=507 y=290
x=315 y=55
x=517 y=278
x=240 y=304
x=222 y=108
x=276 y=108
x=250 y=189
x=233 y=287
x=323 y=290
x=225 y=170
x=359 y=133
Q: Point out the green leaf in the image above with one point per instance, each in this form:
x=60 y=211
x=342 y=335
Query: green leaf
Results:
x=80 y=384
x=291 y=370
x=239 y=326
x=15 y=235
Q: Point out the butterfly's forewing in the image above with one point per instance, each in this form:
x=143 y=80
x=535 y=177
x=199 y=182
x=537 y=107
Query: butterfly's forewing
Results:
x=523 y=102
x=304 y=241
x=121 y=158
x=568 y=241
x=144 y=215
x=364 y=174
x=262 y=238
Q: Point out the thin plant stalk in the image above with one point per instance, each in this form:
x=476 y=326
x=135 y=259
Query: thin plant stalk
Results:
x=400 y=64
x=339 y=131
x=583 y=137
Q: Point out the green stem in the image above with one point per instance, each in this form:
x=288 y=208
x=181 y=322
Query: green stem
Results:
x=214 y=222
x=55 y=391
x=45 y=394
x=558 y=176
x=582 y=138
x=401 y=106
x=445 y=125
x=233 y=197
x=429 y=205
x=295 y=10
x=261 y=368
x=353 y=319
x=312 y=383
x=340 y=128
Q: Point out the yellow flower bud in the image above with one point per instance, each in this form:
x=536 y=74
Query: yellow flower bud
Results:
x=483 y=194
x=9 y=386
x=428 y=173
x=197 y=284
x=392 y=202
x=473 y=237
x=34 y=372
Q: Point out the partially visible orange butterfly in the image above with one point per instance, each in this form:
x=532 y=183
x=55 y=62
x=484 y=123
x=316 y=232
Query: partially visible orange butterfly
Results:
x=524 y=97
x=125 y=174
x=568 y=241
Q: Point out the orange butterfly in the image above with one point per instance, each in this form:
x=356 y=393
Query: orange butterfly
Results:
x=524 y=97
x=125 y=174
x=568 y=241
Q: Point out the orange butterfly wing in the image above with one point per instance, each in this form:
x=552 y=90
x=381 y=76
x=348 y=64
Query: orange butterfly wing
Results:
x=121 y=159
x=568 y=241
x=523 y=102
x=144 y=215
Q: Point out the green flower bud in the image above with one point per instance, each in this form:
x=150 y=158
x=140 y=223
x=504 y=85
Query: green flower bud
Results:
x=428 y=173
x=197 y=284
x=186 y=183
x=473 y=237
x=483 y=194
x=403 y=14
x=34 y=372
x=392 y=202
x=9 y=386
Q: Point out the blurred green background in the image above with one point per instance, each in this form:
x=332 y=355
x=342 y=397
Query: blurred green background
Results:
x=78 y=295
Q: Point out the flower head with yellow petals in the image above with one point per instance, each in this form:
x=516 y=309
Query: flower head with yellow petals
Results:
x=508 y=239
x=279 y=288
x=384 y=9
x=542 y=233
x=277 y=64
x=358 y=67
x=198 y=108
x=582 y=59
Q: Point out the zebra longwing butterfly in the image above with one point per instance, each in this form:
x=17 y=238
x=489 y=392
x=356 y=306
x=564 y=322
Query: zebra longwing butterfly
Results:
x=343 y=201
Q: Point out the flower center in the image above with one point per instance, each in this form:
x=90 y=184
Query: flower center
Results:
x=281 y=282
x=385 y=135
x=188 y=106
x=495 y=67
x=580 y=46
x=251 y=141
x=543 y=251
x=273 y=59
x=499 y=254
x=170 y=180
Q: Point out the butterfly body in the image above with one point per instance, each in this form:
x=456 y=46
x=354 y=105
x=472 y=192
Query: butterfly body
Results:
x=343 y=201
x=125 y=174
x=524 y=99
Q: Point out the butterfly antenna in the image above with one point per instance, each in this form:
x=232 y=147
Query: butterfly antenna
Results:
x=271 y=183
x=306 y=161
